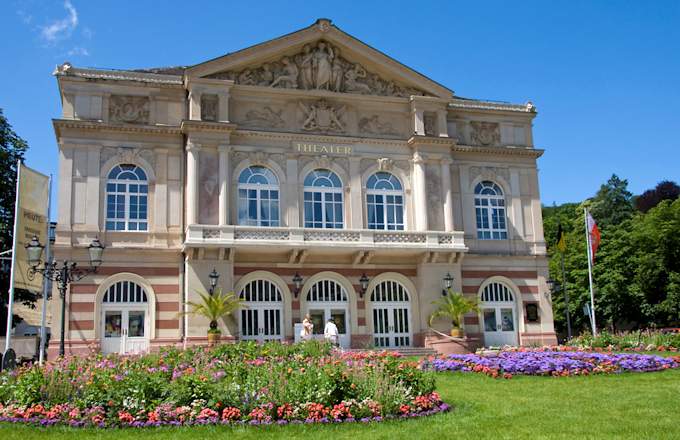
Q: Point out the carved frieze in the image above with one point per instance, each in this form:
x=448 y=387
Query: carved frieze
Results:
x=489 y=173
x=129 y=109
x=485 y=133
x=320 y=116
x=429 y=123
x=127 y=155
x=209 y=105
x=385 y=164
x=318 y=67
x=434 y=197
x=375 y=125
x=267 y=117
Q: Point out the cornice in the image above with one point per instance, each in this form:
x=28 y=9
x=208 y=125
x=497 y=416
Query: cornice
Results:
x=189 y=126
x=471 y=104
x=60 y=124
x=419 y=140
x=66 y=70
x=508 y=150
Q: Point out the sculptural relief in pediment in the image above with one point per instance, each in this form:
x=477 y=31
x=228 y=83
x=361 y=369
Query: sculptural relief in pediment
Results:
x=318 y=67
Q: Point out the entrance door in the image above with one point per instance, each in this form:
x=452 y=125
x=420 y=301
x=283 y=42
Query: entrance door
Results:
x=391 y=315
x=125 y=326
x=261 y=318
x=498 y=315
x=328 y=300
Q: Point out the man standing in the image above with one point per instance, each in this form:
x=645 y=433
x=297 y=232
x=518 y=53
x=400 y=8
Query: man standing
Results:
x=331 y=334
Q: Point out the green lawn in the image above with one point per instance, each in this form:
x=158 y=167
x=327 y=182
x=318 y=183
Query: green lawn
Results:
x=630 y=406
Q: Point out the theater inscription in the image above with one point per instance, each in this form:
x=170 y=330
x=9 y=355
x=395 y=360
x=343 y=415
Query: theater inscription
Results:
x=327 y=149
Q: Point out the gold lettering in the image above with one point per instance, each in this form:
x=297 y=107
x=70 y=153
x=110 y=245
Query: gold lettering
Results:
x=323 y=149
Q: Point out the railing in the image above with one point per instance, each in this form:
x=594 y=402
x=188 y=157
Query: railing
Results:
x=244 y=235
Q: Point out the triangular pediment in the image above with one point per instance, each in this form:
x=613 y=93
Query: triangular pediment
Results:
x=320 y=57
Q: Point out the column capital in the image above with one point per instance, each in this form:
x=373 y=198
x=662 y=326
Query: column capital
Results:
x=418 y=158
x=225 y=148
x=193 y=147
x=446 y=161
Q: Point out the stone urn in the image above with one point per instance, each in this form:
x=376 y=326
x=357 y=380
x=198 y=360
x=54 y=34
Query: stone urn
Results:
x=213 y=338
x=456 y=332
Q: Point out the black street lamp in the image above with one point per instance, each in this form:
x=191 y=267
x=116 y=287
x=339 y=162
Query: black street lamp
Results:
x=363 y=281
x=297 y=282
x=64 y=275
x=447 y=283
x=214 y=276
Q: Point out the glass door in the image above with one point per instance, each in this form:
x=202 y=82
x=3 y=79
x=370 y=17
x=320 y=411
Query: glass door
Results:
x=320 y=316
x=124 y=331
x=499 y=326
x=391 y=326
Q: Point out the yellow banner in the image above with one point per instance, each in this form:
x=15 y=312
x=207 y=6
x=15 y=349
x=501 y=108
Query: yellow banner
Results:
x=31 y=221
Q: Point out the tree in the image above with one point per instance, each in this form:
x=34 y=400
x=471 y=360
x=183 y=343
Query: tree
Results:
x=613 y=203
x=213 y=307
x=12 y=148
x=453 y=306
x=664 y=190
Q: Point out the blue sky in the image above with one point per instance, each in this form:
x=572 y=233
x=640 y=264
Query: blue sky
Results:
x=605 y=75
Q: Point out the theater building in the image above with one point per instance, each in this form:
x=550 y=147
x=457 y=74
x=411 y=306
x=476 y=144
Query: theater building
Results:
x=296 y=168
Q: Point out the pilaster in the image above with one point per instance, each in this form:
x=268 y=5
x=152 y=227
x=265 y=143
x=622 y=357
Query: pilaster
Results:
x=291 y=199
x=419 y=192
x=161 y=191
x=447 y=193
x=224 y=168
x=355 y=195
x=192 y=183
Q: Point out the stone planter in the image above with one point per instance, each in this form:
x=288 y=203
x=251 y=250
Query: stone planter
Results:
x=213 y=339
x=444 y=345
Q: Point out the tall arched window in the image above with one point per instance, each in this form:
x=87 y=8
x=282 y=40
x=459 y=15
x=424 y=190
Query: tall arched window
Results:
x=490 y=211
x=384 y=202
x=126 y=199
x=323 y=200
x=258 y=197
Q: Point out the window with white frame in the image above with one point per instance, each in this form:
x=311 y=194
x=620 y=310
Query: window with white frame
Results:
x=323 y=201
x=490 y=211
x=258 y=197
x=126 y=199
x=384 y=202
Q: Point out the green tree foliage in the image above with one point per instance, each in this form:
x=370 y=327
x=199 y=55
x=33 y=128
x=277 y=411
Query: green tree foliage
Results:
x=12 y=148
x=664 y=190
x=637 y=266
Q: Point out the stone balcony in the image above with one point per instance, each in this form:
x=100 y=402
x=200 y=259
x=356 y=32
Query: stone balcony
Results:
x=253 y=237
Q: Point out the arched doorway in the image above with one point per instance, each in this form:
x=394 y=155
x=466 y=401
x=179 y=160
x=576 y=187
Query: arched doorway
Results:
x=391 y=312
x=327 y=299
x=125 y=319
x=499 y=315
x=262 y=317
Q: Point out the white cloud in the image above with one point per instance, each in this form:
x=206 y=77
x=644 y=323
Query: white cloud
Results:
x=78 y=51
x=25 y=16
x=60 y=29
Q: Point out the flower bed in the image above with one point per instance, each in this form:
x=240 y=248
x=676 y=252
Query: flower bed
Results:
x=641 y=340
x=542 y=362
x=241 y=383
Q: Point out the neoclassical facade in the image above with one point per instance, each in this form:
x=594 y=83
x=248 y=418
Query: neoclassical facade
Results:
x=296 y=168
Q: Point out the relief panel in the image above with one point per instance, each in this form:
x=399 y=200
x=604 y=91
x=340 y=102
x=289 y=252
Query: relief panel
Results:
x=129 y=109
x=208 y=188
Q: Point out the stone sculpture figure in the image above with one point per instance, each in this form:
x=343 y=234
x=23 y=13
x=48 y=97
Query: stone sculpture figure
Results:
x=337 y=70
x=352 y=85
x=289 y=78
x=246 y=78
x=322 y=63
x=372 y=125
x=304 y=60
x=266 y=75
x=265 y=118
x=129 y=109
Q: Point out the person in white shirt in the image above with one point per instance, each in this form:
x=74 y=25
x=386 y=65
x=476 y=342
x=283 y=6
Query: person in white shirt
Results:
x=331 y=334
x=307 y=328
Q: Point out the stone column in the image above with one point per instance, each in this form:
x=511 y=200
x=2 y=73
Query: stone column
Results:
x=290 y=199
x=224 y=168
x=192 y=183
x=419 y=192
x=223 y=107
x=65 y=191
x=355 y=197
x=161 y=191
x=447 y=192
x=195 y=105
x=442 y=129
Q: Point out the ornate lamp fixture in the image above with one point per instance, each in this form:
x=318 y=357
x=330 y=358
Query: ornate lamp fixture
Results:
x=364 y=285
x=214 y=276
x=64 y=275
x=447 y=283
x=297 y=281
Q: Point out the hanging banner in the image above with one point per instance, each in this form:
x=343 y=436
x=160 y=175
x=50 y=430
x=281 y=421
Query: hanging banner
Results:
x=31 y=220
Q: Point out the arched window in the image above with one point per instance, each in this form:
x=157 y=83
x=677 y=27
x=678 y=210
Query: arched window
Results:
x=323 y=200
x=258 y=197
x=384 y=202
x=497 y=292
x=490 y=211
x=126 y=199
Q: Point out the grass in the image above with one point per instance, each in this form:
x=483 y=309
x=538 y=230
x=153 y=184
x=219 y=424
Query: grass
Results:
x=631 y=405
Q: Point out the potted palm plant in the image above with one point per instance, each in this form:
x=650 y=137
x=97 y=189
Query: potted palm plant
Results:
x=213 y=307
x=453 y=306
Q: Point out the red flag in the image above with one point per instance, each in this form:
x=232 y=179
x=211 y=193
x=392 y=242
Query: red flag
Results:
x=594 y=236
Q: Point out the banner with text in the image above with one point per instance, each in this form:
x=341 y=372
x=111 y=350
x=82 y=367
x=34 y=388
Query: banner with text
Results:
x=31 y=220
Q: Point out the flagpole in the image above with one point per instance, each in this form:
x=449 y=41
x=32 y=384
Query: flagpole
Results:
x=46 y=283
x=590 y=274
x=10 y=300
x=566 y=296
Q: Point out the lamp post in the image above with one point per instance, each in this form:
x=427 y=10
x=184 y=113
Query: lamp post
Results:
x=214 y=276
x=64 y=275
x=363 y=281
x=447 y=283
x=556 y=287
